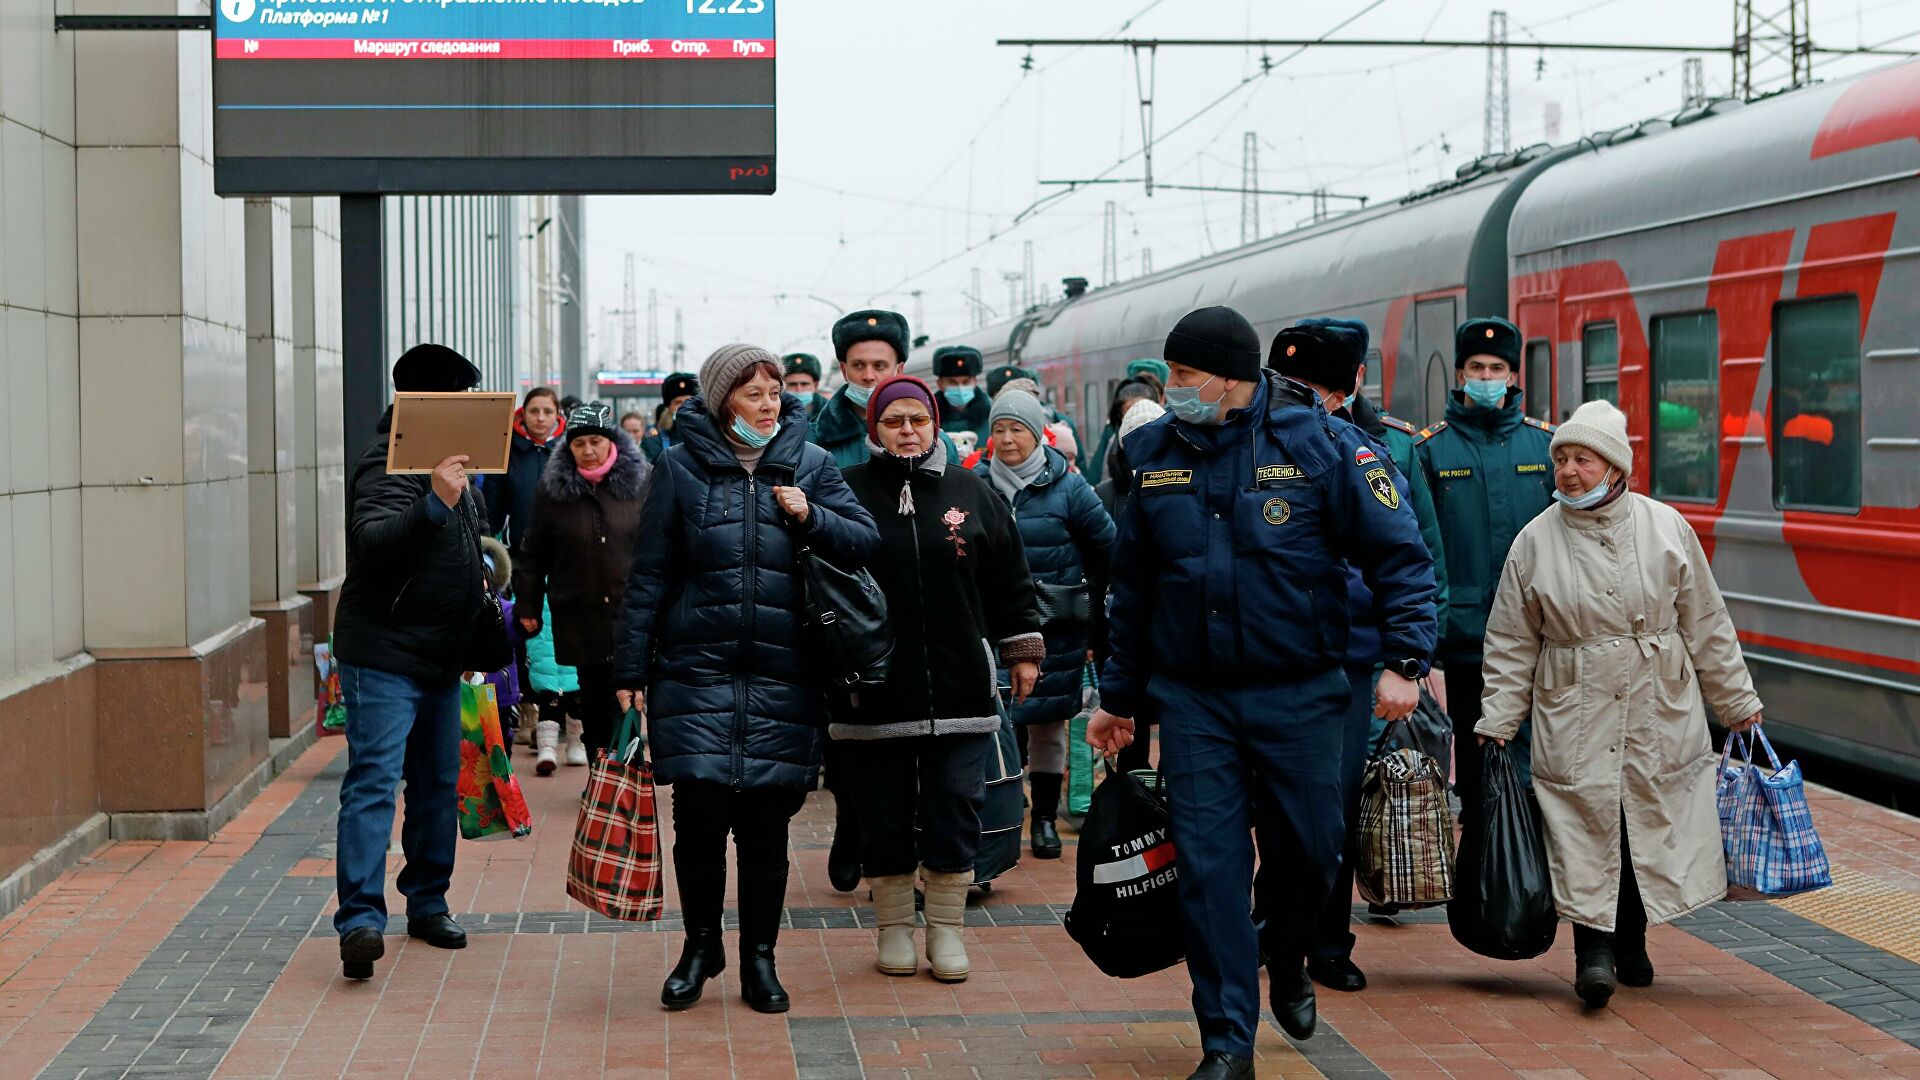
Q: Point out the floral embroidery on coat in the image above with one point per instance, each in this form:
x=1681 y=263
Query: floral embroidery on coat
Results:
x=954 y=518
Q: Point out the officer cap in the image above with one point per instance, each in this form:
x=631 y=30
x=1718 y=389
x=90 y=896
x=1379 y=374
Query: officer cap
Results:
x=1323 y=355
x=801 y=364
x=429 y=368
x=1488 y=335
x=679 y=384
x=955 y=360
x=999 y=377
x=871 y=325
x=1217 y=340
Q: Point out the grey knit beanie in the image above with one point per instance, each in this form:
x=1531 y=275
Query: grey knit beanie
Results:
x=1016 y=404
x=723 y=370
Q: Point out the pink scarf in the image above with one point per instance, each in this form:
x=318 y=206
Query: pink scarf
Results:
x=599 y=472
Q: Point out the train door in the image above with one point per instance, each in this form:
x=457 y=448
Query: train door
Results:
x=1433 y=326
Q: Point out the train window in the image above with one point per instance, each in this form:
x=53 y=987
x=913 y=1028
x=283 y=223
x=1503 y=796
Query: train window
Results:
x=1539 y=379
x=1686 y=406
x=1600 y=363
x=1370 y=386
x=1816 y=404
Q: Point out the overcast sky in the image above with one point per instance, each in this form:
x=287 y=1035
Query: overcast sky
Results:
x=909 y=142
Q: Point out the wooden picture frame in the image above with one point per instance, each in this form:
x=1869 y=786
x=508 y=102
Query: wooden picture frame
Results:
x=428 y=428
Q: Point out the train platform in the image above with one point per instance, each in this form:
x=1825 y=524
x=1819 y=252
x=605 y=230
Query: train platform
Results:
x=217 y=959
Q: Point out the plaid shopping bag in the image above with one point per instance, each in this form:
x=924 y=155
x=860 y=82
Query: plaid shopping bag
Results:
x=1405 y=832
x=490 y=801
x=615 y=865
x=1766 y=825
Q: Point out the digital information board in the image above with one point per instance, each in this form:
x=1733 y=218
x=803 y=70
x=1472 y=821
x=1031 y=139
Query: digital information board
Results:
x=484 y=96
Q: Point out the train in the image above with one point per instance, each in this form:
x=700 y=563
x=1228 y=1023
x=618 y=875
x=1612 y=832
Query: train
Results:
x=1741 y=279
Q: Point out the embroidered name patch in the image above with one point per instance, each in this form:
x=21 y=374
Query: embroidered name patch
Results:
x=1537 y=466
x=1454 y=474
x=1383 y=489
x=1278 y=472
x=1166 y=476
x=1276 y=511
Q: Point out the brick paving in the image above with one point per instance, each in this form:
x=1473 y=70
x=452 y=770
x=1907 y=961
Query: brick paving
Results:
x=217 y=959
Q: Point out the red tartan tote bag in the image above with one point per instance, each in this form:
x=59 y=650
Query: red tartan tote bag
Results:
x=615 y=865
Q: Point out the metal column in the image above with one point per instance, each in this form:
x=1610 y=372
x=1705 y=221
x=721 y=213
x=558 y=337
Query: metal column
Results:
x=363 y=321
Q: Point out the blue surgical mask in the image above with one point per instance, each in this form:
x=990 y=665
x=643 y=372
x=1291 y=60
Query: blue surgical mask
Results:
x=1185 y=404
x=806 y=396
x=1584 y=502
x=1488 y=393
x=859 y=394
x=960 y=396
x=750 y=436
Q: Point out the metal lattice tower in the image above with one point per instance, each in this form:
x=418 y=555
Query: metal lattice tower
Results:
x=679 y=341
x=1498 y=124
x=1146 y=261
x=1693 y=82
x=653 y=329
x=1770 y=41
x=1026 y=273
x=1249 y=184
x=1110 y=245
x=1320 y=211
x=979 y=302
x=629 y=317
x=1013 y=278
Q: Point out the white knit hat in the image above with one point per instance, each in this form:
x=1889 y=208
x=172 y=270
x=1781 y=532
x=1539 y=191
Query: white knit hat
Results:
x=1599 y=427
x=1139 y=415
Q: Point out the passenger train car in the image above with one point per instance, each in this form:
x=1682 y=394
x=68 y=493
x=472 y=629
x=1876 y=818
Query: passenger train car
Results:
x=1741 y=280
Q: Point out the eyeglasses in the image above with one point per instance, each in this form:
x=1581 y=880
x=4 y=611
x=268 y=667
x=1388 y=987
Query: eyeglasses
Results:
x=895 y=423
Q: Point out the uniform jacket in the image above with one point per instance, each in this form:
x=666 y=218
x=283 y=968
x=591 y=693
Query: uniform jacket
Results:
x=1609 y=631
x=510 y=495
x=976 y=417
x=1231 y=562
x=712 y=616
x=1394 y=440
x=841 y=430
x=957 y=583
x=413 y=583
x=1068 y=538
x=658 y=442
x=578 y=553
x=1490 y=473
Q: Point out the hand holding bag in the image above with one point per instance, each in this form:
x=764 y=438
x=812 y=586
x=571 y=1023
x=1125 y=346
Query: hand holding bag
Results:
x=1405 y=832
x=614 y=867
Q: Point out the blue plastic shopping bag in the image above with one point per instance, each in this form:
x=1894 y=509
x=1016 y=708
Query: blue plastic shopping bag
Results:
x=1766 y=825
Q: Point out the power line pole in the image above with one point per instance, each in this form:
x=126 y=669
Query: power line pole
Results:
x=979 y=304
x=679 y=342
x=1320 y=212
x=1013 y=279
x=1498 y=122
x=653 y=329
x=1693 y=82
x=1249 y=185
x=1786 y=35
x=1110 y=245
x=1026 y=272
x=919 y=311
x=629 y=316
x=1146 y=261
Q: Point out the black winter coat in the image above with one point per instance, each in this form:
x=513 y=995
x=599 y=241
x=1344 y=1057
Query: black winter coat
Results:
x=413 y=585
x=579 y=551
x=510 y=495
x=957 y=583
x=712 y=618
x=1068 y=538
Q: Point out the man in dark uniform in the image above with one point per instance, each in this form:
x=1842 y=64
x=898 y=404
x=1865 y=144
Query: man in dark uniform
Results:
x=1491 y=472
x=677 y=390
x=963 y=406
x=802 y=380
x=871 y=346
x=1228 y=611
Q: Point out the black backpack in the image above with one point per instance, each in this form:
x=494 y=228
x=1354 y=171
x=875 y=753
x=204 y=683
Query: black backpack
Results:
x=1126 y=907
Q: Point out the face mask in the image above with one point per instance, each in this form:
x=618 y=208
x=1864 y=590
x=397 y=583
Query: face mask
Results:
x=1487 y=393
x=960 y=396
x=1185 y=404
x=806 y=396
x=750 y=436
x=1584 y=502
x=859 y=395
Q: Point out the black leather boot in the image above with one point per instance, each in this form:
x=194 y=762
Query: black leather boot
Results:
x=1593 y=965
x=763 y=897
x=1290 y=992
x=759 y=984
x=1045 y=835
x=1630 y=961
x=843 y=859
x=701 y=958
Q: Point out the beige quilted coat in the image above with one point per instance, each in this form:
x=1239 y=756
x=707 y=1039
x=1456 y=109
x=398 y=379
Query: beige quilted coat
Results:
x=1608 y=629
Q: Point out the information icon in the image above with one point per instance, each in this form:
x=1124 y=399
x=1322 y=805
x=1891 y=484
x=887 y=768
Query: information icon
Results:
x=238 y=11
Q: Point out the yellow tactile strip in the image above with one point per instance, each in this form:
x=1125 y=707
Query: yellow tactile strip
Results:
x=1865 y=909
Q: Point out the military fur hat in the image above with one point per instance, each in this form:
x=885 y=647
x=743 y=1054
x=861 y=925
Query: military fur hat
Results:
x=871 y=325
x=679 y=384
x=999 y=377
x=956 y=360
x=801 y=364
x=1486 y=336
x=1322 y=355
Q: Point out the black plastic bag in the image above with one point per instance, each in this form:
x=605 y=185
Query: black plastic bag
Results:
x=1502 y=903
x=1126 y=907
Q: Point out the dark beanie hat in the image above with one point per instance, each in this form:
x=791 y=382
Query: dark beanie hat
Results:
x=801 y=363
x=1217 y=340
x=593 y=418
x=870 y=325
x=999 y=377
x=1488 y=335
x=1321 y=355
x=679 y=384
x=954 y=360
x=892 y=390
x=431 y=368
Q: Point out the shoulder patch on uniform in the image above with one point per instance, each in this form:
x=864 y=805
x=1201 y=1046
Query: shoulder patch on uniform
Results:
x=1383 y=489
x=1430 y=431
x=1163 y=477
x=1364 y=456
x=1541 y=424
x=1398 y=424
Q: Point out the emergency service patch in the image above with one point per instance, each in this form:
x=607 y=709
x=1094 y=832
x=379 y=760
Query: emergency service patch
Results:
x=1383 y=488
x=1166 y=476
x=1455 y=474
x=1277 y=472
x=1276 y=511
x=1364 y=457
x=1537 y=466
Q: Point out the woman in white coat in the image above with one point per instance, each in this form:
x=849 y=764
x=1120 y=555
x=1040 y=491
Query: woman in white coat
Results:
x=1609 y=631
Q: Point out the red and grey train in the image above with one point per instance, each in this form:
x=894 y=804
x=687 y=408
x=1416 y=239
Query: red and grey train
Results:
x=1742 y=280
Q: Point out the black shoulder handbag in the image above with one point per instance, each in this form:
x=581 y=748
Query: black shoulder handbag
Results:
x=845 y=618
x=487 y=647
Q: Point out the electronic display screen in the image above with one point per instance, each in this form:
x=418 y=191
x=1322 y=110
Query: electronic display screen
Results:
x=486 y=96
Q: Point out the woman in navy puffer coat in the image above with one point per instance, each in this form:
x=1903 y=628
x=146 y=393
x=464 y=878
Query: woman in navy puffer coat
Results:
x=1069 y=540
x=711 y=646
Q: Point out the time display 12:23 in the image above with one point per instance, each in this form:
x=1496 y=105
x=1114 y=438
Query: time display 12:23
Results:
x=726 y=7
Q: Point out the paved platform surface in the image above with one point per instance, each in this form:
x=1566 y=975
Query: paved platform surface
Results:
x=217 y=960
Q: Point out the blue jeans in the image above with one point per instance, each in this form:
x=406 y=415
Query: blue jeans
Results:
x=398 y=728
